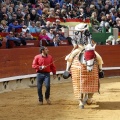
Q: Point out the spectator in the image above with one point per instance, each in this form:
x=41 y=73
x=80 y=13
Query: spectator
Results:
x=3 y=26
x=9 y=13
x=64 y=14
x=11 y=37
x=22 y=38
x=82 y=14
x=94 y=22
x=32 y=27
x=2 y=12
x=45 y=11
x=47 y=27
x=51 y=13
x=55 y=42
x=58 y=25
x=108 y=42
x=27 y=19
x=14 y=26
x=33 y=15
x=44 y=37
x=61 y=35
x=118 y=41
x=39 y=2
x=118 y=24
x=29 y=36
x=43 y=20
x=14 y=17
x=38 y=10
x=19 y=13
x=50 y=34
x=38 y=27
x=24 y=28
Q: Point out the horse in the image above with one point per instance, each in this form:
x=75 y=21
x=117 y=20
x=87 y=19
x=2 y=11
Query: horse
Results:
x=84 y=73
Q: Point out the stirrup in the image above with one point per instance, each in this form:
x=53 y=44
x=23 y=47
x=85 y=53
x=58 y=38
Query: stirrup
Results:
x=66 y=74
x=101 y=74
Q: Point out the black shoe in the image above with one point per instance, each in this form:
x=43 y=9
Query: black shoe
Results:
x=66 y=74
x=101 y=74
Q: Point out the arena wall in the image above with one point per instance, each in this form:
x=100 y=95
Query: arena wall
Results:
x=18 y=61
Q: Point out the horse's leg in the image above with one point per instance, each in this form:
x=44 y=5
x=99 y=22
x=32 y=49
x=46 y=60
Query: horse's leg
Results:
x=89 y=100
x=81 y=105
x=85 y=98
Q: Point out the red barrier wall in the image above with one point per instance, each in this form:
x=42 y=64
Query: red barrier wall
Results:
x=18 y=61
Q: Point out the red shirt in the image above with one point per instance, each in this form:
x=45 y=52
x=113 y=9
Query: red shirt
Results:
x=40 y=60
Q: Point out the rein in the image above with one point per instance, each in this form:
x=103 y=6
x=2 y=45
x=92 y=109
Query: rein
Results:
x=55 y=61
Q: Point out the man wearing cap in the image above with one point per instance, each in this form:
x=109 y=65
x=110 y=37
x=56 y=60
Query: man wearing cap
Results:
x=43 y=64
x=81 y=38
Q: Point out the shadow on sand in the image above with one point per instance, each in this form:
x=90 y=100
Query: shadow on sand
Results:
x=108 y=105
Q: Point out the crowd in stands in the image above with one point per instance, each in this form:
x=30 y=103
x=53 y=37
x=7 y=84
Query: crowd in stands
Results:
x=31 y=16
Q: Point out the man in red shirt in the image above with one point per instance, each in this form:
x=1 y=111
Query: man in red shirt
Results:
x=43 y=63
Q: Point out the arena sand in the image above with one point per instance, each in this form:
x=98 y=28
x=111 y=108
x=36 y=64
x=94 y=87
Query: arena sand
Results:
x=23 y=104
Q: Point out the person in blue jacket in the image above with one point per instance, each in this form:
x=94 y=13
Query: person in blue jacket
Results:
x=13 y=26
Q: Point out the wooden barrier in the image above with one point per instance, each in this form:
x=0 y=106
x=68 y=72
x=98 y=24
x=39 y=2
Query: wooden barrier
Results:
x=18 y=61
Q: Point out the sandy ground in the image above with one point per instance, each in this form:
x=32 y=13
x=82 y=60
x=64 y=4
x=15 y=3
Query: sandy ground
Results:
x=23 y=104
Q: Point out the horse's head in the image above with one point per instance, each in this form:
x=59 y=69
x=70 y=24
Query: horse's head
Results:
x=89 y=56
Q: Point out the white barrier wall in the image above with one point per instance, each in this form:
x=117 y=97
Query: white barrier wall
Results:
x=25 y=81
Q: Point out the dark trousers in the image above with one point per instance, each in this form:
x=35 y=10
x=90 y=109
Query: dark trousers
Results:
x=43 y=78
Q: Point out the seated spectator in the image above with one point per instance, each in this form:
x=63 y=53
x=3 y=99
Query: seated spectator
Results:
x=24 y=28
x=51 y=13
x=22 y=38
x=11 y=37
x=118 y=24
x=58 y=25
x=107 y=27
x=38 y=27
x=32 y=27
x=27 y=19
x=57 y=36
x=29 y=36
x=38 y=10
x=44 y=37
x=50 y=34
x=55 y=42
x=103 y=20
x=43 y=20
x=118 y=41
x=14 y=26
x=108 y=42
x=111 y=40
x=33 y=15
x=82 y=14
x=63 y=14
x=47 y=26
x=3 y=26
x=54 y=27
x=94 y=22
x=61 y=35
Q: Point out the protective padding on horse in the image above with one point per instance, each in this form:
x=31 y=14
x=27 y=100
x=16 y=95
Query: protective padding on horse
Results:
x=83 y=81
